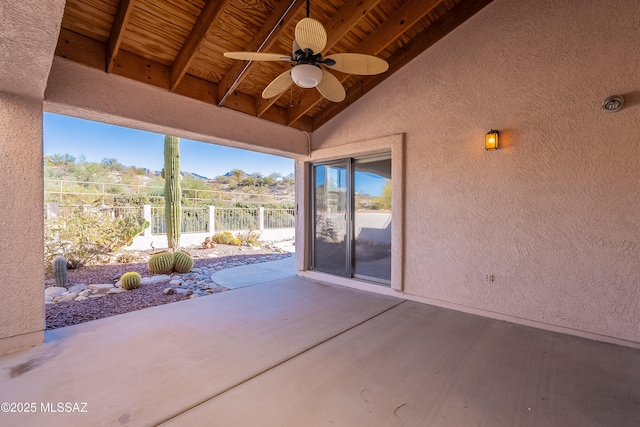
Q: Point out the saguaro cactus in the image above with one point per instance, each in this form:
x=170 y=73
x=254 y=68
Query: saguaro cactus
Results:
x=60 y=271
x=172 y=191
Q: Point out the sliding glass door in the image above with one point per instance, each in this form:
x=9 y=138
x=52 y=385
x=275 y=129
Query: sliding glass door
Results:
x=372 y=219
x=331 y=208
x=352 y=218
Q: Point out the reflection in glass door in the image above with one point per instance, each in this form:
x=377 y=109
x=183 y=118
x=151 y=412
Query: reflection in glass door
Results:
x=372 y=220
x=352 y=218
x=331 y=204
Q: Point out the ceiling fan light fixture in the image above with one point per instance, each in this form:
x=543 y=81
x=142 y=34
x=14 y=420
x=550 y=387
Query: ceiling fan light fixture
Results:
x=306 y=75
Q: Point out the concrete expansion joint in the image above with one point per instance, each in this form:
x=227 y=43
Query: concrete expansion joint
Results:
x=292 y=357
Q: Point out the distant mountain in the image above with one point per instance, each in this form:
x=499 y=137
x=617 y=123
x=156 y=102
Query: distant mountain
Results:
x=195 y=175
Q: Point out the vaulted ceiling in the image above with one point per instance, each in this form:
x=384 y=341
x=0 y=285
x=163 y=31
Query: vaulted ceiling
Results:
x=178 y=45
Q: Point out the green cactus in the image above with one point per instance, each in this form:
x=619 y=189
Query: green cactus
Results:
x=184 y=262
x=225 y=238
x=60 y=271
x=172 y=191
x=161 y=263
x=130 y=280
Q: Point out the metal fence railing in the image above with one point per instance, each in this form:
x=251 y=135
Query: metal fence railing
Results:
x=279 y=218
x=158 y=220
x=194 y=220
x=236 y=218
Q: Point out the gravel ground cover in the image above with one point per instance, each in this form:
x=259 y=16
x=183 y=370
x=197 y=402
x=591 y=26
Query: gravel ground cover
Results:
x=149 y=295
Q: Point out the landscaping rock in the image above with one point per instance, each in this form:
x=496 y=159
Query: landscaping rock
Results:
x=54 y=291
x=154 y=279
x=70 y=295
x=192 y=285
x=101 y=288
x=76 y=289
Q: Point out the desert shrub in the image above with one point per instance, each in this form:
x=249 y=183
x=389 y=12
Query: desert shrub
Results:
x=249 y=238
x=88 y=237
x=128 y=257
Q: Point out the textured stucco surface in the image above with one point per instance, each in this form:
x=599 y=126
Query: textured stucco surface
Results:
x=553 y=214
x=28 y=36
x=21 y=252
x=88 y=93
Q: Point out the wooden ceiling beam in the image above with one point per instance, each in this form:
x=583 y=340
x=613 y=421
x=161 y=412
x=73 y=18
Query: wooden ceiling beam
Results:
x=117 y=30
x=392 y=28
x=263 y=41
x=432 y=34
x=347 y=18
x=211 y=12
x=81 y=49
x=337 y=27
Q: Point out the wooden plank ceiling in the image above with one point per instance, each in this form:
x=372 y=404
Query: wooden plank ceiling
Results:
x=178 y=45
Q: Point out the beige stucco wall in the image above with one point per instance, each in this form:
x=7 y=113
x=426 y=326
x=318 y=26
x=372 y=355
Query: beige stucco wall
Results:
x=554 y=213
x=21 y=222
x=28 y=36
x=88 y=93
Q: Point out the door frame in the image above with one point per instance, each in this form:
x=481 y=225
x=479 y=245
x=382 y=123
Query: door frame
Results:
x=395 y=144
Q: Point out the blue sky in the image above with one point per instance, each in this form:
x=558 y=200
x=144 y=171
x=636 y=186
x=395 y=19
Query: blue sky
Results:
x=131 y=147
x=96 y=141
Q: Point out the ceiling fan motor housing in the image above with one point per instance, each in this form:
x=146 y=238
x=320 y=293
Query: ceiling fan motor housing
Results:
x=306 y=75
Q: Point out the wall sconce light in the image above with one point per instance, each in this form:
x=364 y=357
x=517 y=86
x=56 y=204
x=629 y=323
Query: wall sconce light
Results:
x=491 y=140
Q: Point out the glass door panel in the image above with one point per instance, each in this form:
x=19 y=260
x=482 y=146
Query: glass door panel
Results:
x=331 y=243
x=372 y=220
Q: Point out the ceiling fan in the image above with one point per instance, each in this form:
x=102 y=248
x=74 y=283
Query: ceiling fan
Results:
x=310 y=40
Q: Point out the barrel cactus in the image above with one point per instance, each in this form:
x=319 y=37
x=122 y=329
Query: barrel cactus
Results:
x=184 y=262
x=60 y=271
x=172 y=191
x=161 y=263
x=224 y=238
x=130 y=280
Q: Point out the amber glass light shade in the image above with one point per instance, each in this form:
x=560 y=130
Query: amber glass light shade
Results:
x=491 y=140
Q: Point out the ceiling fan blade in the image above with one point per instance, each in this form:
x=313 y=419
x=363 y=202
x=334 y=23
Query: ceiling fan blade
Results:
x=310 y=34
x=257 y=56
x=357 y=63
x=278 y=85
x=331 y=88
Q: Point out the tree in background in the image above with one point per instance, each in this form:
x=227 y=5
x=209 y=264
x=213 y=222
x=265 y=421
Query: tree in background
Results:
x=172 y=191
x=384 y=202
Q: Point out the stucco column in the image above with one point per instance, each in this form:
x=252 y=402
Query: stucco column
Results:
x=21 y=221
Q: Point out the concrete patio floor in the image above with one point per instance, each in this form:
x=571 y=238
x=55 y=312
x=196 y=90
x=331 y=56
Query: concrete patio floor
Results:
x=302 y=353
